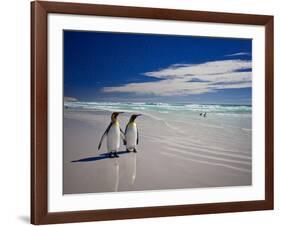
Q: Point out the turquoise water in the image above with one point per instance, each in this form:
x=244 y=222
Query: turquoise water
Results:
x=164 y=107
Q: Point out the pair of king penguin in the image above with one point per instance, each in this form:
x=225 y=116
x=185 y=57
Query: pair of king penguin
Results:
x=114 y=133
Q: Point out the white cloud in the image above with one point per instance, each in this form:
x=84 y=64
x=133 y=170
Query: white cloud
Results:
x=238 y=54
x=187 y=79
x=208 y=68
x=70 y=99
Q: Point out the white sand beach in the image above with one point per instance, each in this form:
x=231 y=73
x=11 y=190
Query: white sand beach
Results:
x=174 y=152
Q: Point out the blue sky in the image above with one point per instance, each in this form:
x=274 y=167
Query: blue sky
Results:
x=103 y=66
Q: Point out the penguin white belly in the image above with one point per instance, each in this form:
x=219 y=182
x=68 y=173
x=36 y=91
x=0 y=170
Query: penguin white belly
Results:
x=131 y=136
x=113 y=137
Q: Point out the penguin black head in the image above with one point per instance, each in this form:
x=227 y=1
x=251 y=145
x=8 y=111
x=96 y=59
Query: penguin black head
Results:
x=133 y=117
x=115 y=115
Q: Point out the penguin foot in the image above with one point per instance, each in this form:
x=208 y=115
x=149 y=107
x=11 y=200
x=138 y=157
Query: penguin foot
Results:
x=116 y=155
x=127 y=150
x=111 y=155
x=135 y=150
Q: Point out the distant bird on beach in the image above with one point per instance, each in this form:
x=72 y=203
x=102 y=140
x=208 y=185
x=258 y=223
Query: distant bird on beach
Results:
x=203 y=114
x=113 y=133
x=132 y=134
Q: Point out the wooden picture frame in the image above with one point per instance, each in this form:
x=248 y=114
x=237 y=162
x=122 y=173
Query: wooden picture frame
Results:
x=39 y=112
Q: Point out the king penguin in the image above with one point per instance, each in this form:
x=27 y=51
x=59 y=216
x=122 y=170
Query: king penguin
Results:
x=113 y=133
x=132 y=134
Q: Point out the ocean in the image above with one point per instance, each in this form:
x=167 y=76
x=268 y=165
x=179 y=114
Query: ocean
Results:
x=163 y=107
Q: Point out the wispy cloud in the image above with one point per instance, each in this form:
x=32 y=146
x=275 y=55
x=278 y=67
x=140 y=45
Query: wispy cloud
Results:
x=187 y=79
x=70 y=99
x=238 y=54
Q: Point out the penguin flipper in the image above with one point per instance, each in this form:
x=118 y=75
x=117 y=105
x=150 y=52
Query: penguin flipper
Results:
x=103 y=136
x=127 y=127
x=137 y=136
x=123 y=136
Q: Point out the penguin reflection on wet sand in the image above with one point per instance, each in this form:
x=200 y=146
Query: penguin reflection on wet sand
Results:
x=113 y=133
x=132 y=134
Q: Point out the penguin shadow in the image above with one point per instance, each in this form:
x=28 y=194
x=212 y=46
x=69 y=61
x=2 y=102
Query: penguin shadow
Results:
x=100 y=157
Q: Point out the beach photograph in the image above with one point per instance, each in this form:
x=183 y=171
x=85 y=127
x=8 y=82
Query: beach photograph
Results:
x=155 y=112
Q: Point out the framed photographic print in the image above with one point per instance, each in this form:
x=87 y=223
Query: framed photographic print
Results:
x=145 y=112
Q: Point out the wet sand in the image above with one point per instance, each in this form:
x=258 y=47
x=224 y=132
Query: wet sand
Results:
x=171 y=154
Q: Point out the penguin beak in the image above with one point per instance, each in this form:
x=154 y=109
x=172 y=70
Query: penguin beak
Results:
x=118 y=113
x=138 y=115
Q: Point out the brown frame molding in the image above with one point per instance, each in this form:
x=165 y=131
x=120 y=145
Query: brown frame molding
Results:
x=39 y=107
